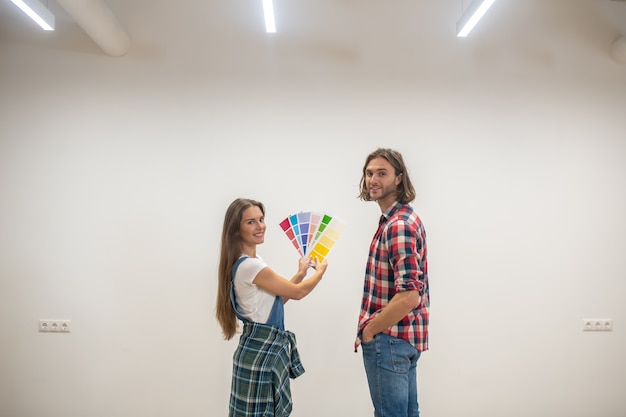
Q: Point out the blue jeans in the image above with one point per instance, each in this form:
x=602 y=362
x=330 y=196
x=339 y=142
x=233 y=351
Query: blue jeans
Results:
x=391 y=368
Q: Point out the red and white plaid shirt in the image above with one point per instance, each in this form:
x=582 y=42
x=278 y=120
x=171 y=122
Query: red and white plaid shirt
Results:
x=398 y=262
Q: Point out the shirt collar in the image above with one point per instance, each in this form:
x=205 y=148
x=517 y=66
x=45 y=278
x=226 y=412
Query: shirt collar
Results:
x=391 y=210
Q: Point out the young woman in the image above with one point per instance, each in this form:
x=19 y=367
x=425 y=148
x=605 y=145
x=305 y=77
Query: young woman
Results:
x=248 y=289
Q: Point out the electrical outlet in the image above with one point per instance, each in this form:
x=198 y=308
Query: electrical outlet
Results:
x=55 y=326
x=597 y=325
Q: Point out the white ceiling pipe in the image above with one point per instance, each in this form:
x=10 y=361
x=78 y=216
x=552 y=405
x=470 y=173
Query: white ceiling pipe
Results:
x=100 y=24
x=618 y=50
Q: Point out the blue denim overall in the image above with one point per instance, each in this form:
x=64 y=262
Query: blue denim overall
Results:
x=277 y=314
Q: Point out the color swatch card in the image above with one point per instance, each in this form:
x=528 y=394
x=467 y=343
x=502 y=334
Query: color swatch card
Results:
x=313 y=234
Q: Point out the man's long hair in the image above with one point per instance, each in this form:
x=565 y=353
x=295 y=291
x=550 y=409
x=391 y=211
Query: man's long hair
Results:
x=406 y=192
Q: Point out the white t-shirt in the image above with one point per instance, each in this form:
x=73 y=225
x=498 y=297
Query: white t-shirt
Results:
x=253 y=302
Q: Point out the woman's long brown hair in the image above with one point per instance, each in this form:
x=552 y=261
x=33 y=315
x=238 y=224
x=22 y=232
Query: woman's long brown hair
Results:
x=229 y=253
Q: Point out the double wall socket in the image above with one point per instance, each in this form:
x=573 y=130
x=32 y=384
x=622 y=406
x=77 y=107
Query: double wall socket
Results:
x=597 y=325
x=55 y=326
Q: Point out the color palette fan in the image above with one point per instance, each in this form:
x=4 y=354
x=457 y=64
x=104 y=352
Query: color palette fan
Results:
x=313 y=234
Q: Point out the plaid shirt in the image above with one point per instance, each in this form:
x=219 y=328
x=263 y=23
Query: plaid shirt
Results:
x=398 y=262
x=265 y=359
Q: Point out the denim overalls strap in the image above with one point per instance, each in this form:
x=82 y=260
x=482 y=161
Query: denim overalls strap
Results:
x=277 y=314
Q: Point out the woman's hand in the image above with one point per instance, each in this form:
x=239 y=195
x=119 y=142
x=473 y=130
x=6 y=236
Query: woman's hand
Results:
x=319 y=266
x=303 y=265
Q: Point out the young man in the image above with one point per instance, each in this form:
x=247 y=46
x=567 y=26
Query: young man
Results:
x=393 y=323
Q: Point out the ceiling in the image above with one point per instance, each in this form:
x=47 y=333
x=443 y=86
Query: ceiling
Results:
x=341 y=29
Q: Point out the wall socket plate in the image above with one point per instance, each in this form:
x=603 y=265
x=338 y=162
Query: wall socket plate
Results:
x=55 y=326
x=597 y=325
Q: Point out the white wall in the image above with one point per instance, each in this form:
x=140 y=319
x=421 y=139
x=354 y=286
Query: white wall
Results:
x=115 y=174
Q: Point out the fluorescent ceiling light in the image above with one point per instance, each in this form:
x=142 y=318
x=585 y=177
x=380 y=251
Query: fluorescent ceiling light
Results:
x=268 y=11
x=472 y=15
x=38 y=12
